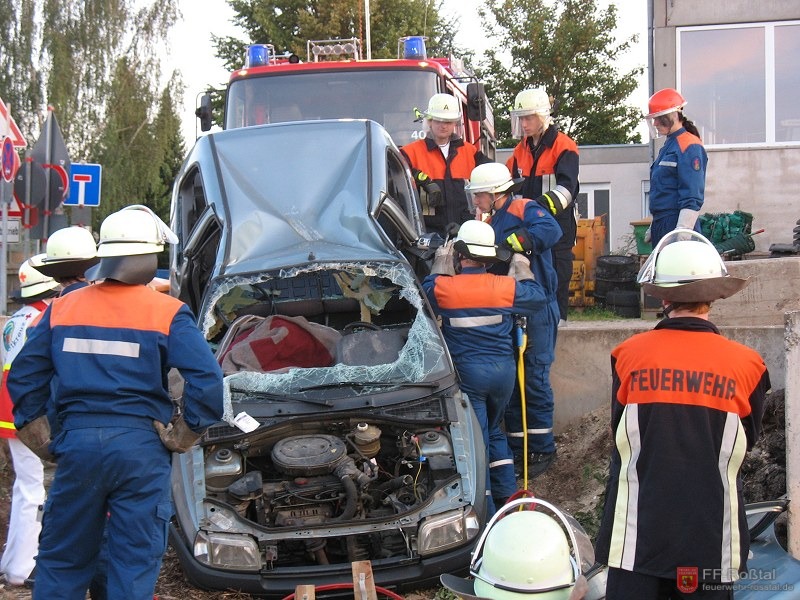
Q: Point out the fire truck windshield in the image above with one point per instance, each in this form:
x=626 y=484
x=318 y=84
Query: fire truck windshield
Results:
x=386 y=96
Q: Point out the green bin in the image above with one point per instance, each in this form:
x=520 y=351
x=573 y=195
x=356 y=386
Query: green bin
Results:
x=639 y=229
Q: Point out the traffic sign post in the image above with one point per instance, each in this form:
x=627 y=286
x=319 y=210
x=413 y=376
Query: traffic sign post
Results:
x=84 y=185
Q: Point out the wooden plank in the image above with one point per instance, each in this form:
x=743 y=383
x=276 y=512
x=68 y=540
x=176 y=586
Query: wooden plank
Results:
x=363 y=583
x=304 y=592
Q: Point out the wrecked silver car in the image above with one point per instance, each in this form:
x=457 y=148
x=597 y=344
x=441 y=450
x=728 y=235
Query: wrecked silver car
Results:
x=345 y=435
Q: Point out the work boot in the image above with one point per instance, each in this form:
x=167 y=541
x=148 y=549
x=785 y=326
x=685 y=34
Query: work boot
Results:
x=538 y=463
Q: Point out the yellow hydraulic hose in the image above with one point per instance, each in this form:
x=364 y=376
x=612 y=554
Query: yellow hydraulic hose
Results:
x=522 y=343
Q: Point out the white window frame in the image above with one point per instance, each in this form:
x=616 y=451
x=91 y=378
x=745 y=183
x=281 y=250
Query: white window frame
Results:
x=769 y=76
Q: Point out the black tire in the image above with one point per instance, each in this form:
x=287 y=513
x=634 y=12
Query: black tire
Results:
x=624 y=303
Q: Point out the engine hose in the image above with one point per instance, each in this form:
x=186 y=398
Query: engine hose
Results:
x=349 y=586
x=351 y=505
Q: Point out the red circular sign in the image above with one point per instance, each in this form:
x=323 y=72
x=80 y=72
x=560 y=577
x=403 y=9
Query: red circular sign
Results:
x=10 y=160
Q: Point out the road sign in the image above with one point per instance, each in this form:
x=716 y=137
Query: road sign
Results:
x=10 y=160
x=12 y=233
x=84 y=185
x=8 y=127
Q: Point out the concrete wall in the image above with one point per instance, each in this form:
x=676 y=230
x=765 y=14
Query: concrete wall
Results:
x=581 y=374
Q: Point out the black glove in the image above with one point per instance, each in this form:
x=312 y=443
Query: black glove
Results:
x=451 y=230
x=520 y=241
x=551 y=202
x=431 y=188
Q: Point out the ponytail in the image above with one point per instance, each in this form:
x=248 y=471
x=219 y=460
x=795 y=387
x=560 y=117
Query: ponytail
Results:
x=688 y=125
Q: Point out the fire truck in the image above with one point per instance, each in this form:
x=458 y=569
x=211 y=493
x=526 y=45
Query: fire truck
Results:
x=336 y=82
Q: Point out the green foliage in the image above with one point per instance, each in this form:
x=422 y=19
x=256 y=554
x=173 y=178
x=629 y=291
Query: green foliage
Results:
x=288 y=25
x=592 y=313
x=567 y=46
x=97 y=62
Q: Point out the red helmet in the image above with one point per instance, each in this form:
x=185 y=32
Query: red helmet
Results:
x=664 y=101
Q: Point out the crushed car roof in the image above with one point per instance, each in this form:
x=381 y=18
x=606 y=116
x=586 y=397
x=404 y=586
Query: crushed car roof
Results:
x=279 y=215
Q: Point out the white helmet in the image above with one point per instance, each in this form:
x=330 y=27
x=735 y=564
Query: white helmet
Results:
x=443 y=107
x=523 y=555
x=688 y=270
x=490 y=177
x=33 y=283
x=479 y=239
x=134 y=230
x=533 y=101
x=70 y=251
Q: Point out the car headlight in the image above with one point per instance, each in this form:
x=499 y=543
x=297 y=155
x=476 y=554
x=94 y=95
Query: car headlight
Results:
x=227 y=551
x=448 y=530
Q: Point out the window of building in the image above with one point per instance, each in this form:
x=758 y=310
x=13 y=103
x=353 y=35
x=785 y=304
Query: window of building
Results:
x=741 y=82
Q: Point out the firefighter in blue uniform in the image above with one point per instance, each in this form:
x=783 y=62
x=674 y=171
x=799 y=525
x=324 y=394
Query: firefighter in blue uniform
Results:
x=526 y=227
x=477 y=311
x=111 y=345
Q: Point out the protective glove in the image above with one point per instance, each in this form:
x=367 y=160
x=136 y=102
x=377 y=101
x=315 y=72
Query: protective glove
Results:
x=431 y=188
x=177 y=436
x=520 y=267
x=443 y=260
x=520 y=241
x=648 y=235
x=451 y=230
x=36 y=436
x=686 y=220
x=552 y=202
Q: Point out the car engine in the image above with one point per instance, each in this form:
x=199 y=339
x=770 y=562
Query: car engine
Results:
x=335 y=474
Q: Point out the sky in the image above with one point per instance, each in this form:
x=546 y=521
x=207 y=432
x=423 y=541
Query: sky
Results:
x=192 y=52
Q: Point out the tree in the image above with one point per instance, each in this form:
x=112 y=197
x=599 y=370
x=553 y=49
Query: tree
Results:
x=567 y=46
x=97 y=62
x=289 y=24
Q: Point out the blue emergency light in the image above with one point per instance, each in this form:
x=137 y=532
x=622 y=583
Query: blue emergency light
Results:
x=414 y=47
x=257 y=56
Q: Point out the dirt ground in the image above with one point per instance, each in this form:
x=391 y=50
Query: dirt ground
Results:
x=575 y=482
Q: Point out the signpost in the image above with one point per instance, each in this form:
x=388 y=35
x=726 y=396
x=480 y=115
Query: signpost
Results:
x=11 y=138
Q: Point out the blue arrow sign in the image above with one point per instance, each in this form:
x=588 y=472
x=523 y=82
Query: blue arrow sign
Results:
x=84 y=185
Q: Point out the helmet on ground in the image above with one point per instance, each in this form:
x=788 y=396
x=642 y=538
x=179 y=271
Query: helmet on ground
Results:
x=34 y=285
x=491 y=177
x=663 y=102
x=687 y=270
x=70 y=251
x=130 y=239
x=525 y=555
x=477 y=238
x=443 y=107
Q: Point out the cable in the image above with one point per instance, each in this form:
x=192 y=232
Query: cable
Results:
x=348 y=586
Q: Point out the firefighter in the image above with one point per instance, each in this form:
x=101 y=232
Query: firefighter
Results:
x=477 y=311
x=678 y=175
x=686 y=406
x=525 y=227
x=548 y=160
x=441 y=164
x=70 y=252
x=111 y=345
x=525 y=555
x=36 y=292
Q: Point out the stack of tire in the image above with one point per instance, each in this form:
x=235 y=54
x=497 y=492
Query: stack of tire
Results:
x=615 y=285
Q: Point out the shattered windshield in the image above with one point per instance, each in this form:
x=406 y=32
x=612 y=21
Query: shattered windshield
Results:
x=314 y=334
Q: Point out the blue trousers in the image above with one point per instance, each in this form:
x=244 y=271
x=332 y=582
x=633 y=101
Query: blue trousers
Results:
x=118 y=470
x=488 y=385
x=663 y=223
x=539 y=355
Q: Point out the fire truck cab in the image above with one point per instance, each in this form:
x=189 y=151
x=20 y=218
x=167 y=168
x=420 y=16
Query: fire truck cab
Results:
x=335 y=82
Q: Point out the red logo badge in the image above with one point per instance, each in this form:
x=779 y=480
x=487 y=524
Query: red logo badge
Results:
x=687 y=579
x=696 y=164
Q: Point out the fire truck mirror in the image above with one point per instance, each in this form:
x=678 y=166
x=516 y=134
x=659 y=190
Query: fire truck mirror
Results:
x=204 y=112
x=476 y=102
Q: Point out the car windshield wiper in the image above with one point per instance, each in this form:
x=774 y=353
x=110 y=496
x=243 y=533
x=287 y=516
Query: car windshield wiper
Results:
x=282 y=398
x=363 y=384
